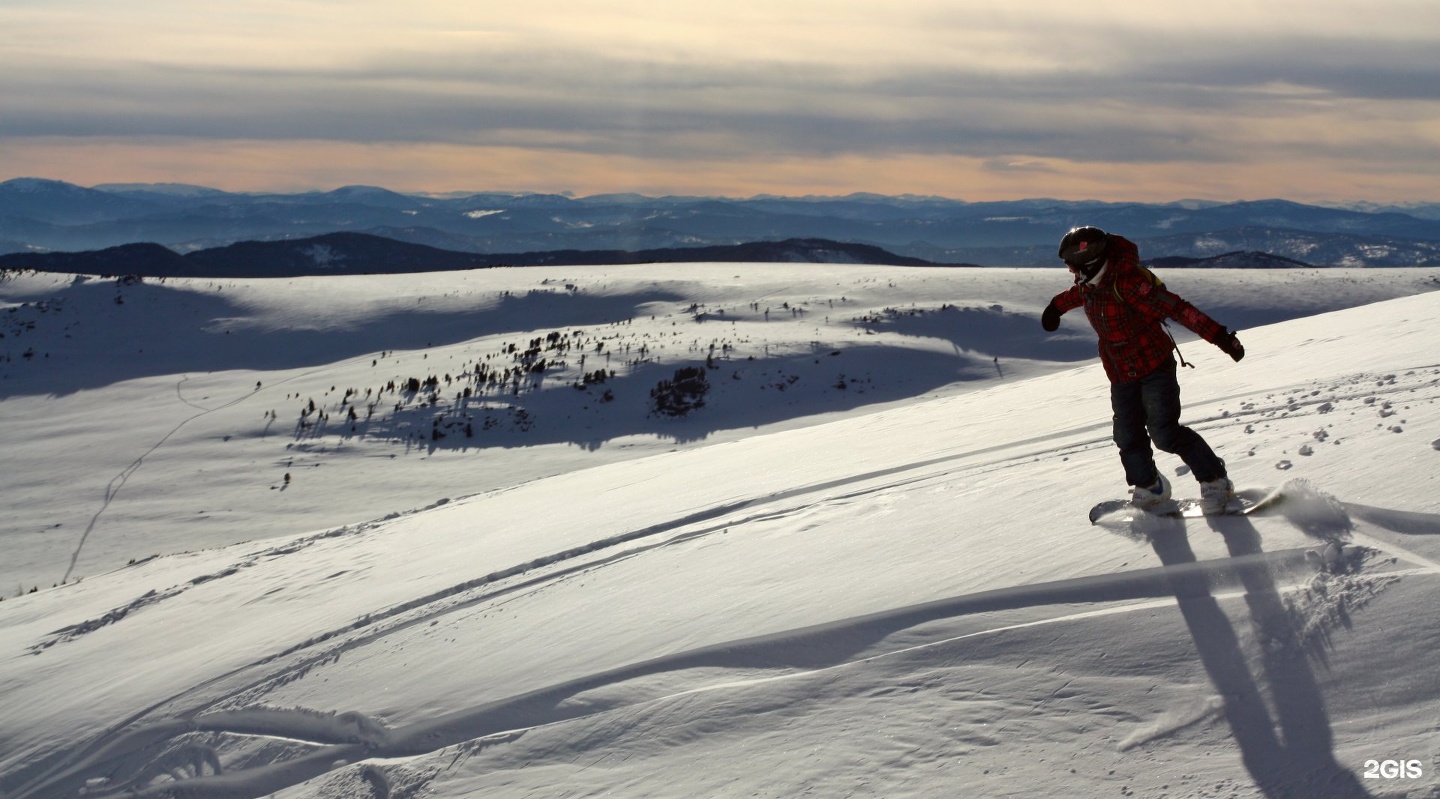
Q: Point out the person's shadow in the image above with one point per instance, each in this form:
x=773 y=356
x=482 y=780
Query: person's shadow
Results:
x=1289 y=755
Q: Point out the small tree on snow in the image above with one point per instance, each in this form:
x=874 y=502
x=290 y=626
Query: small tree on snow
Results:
x=681 y=395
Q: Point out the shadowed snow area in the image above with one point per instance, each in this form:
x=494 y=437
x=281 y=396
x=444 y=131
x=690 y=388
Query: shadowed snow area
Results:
x=861 y=567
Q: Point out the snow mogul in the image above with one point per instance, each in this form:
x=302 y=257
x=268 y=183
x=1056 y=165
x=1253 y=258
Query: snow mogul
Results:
x=1128 y=305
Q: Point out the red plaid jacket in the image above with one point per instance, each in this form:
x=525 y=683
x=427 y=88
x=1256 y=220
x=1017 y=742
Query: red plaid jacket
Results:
x=1126 y=308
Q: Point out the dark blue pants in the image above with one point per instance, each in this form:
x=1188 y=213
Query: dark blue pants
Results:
x=1148 y=410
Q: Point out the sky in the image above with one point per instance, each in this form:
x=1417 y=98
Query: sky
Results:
x=1315 y=101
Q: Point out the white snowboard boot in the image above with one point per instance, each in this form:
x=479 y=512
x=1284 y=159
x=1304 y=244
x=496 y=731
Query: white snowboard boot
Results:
x=1216 y=494
x=1151 y=496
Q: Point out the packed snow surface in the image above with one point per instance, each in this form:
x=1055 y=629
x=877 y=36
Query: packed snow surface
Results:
x=427 y=535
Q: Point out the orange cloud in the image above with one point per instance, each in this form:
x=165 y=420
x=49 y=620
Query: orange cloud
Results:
x=249 y=165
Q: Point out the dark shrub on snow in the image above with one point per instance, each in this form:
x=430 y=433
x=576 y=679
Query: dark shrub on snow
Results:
x=682 y=394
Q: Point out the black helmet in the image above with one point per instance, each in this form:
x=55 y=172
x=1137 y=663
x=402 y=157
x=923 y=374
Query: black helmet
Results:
x=1083 y=249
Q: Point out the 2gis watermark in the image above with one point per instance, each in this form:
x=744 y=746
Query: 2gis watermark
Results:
x=1393 y=770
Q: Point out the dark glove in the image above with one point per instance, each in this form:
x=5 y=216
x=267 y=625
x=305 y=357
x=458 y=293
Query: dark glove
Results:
x=1230 y=345
x=1050 y=319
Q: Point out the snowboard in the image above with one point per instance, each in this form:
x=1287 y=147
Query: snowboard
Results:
x=1246 y=502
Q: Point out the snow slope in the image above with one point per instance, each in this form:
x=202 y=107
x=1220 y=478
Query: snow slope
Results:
x=790 y=591
x=163 y=416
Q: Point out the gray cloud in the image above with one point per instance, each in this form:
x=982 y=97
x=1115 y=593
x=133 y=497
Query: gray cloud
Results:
x=1339 y=68
x=1147 y=100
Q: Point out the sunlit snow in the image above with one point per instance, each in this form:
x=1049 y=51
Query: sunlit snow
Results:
x=861 y=568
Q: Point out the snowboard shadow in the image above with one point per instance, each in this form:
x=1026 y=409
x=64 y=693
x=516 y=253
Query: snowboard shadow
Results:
x=1297 y=760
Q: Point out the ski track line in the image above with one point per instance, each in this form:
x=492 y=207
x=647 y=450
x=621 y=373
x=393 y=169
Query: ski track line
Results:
x=112 y=489
x=373 y=623
x=814 y=649
x=667 y=526
x=535 y=582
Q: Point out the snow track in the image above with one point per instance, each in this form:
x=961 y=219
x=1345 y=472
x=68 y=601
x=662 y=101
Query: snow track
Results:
x=112 y=490
x=713 y=519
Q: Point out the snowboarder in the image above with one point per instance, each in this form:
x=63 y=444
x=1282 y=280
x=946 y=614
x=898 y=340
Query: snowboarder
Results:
x=1127 y=305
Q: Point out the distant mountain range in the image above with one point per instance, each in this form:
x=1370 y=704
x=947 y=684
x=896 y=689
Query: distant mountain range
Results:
x=39 y=215
x=362 y=253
